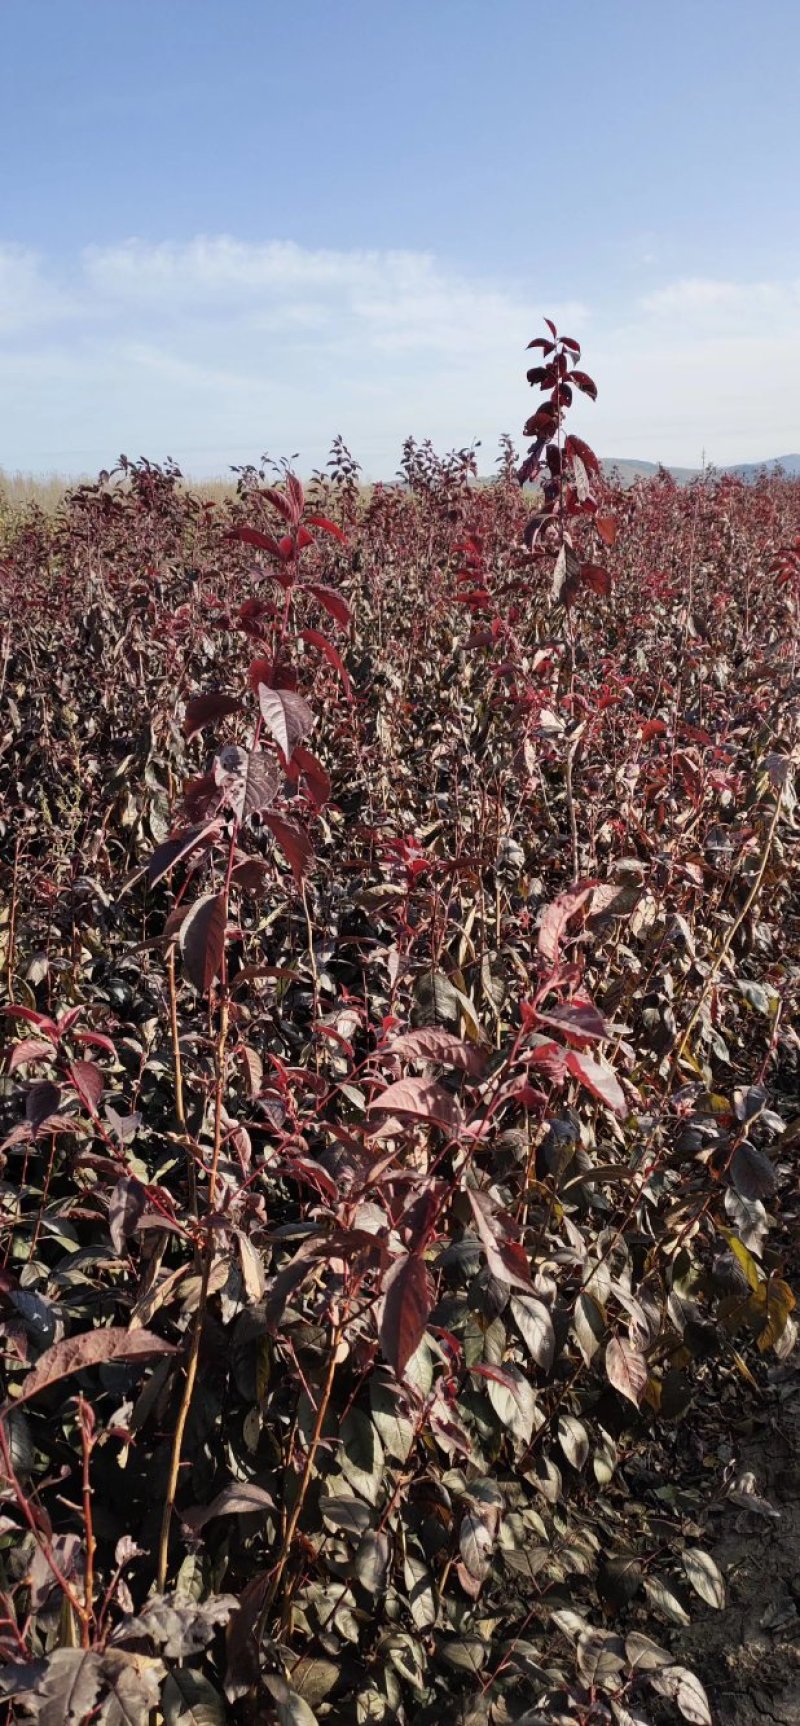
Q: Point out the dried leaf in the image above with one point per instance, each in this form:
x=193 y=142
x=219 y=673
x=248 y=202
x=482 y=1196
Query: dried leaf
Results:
x=705 y=1576
x=627 y=1369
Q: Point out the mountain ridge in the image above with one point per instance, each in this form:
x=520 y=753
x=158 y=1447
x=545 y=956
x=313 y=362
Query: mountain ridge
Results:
x=631 y=469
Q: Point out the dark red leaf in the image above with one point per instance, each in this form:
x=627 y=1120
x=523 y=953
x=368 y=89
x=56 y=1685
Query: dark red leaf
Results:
x=597 y=578
x=254 y=536
x=203 y=710
x=41 y=1104
x=575 y=446
x=293 y=841
x=174 y=849
x=92 y=1348
x=578 y=1020
x=583 y=382
x=309 y=768
x=406 y=1308
x=506 y=1259
x=419 y=1100
x=331 y=653
x=202 y=940
x=88 y=1081
x=333 y=603
x=327 y=526
x=295 y=496
x=126 y=1208
x=752 y=1173
x=435 y=1044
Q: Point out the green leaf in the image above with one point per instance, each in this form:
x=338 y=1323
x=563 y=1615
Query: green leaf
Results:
x=290 y=1708
x=420 y=1590
x=361 y=1455
x=371 y=1562
x=536 y=1329
x=188 y=1699
x=394 y=1427
x=574 y=1440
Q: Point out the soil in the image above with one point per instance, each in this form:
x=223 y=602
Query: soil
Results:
x=748 y=1654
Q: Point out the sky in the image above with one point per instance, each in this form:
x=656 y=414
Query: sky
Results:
x=231 y=226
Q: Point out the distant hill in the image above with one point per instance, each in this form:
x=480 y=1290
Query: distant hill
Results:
x=751 y=469
x=629 y=471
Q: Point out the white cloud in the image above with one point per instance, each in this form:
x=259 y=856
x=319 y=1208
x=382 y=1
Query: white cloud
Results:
x=740 y=302
x=215 y=349
x=27 y=298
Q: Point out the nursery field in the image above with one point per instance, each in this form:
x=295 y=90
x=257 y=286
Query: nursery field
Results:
x=400 y=953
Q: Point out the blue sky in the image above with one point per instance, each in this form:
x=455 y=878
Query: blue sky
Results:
x=228 y=226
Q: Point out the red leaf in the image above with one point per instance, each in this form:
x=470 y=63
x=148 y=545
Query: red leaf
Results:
x=627 y=1369
x=92 y=1348
x=202 y=940
x=434 y=1044
x=312 y=770
x=652 y=728
x=420 y=1100
x=578 y=1021
x=47 y=1027
x=327 y=526
x=295 y=496
x=275 y=673
x=287 y=715
x=583 y=382
x=202 y=710
x=407 y=1302
x=575 y=446
x=254 y=536
x=607 y=528
x=31 y=1049
x=551 y=1059
x=598 y=579
x=334 y=658
x=598 y=1078
x=88 y=1081
x=506 y=1259
x=333 y=603
x=174 y=849
x=556 y=917
x=272 y=495
x=293 y=841
x=96 y=1040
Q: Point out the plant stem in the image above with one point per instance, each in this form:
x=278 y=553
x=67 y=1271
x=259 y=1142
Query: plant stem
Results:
x=199 y=1320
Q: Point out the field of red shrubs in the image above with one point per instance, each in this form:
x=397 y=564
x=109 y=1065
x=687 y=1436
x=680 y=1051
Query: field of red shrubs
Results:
x=398 y=1218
